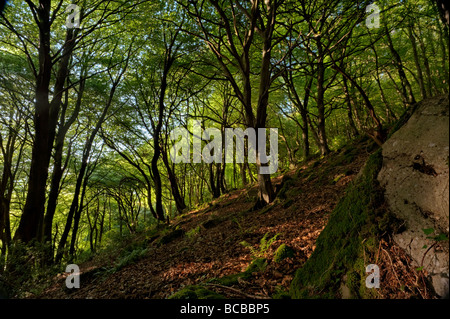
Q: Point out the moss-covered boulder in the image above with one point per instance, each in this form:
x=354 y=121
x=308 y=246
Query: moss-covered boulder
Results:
x=350 y=236
x=283 y=252
x=175 y=234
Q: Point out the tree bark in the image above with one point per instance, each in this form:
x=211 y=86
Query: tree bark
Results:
x=407 y=92
x=349 y=101
x=174 y=185
x=321 y=128
x=420 y=78
x=58 y=169
x=45 y=122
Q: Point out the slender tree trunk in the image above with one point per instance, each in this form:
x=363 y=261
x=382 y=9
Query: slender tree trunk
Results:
x=78 y=211
x=321 y=128
x=58 y=169
x=420 y=79
x=215 y=191
x=379 y=135
x=406 y=86
x=423 y=49
x=243 y=174
x=443 y=35
x=74 y=210
x=349 y=101
x=174 y=185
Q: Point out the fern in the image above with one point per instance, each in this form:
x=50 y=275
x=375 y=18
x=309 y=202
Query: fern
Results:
x=264 y=246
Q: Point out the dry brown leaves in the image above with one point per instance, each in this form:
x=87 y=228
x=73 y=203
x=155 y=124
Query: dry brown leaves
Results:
x=217 y=252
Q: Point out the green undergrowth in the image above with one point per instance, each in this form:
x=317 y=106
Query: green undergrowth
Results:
x=348 y=241
x=283 y=252
x=196 y=292
x=257 y=266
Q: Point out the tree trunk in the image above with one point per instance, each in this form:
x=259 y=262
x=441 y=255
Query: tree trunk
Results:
x=215 y=191
x=58 y=169
x=379 y=135
x=349 y=101
x=420 y=79
x=407 y=92
x=33 y=212
x=45 y=121
x=74 y=210
x=178 y=198
x=78 y=211
x=321 y=128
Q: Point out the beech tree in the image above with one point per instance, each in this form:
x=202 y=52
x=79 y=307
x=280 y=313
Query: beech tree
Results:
x=234 y=32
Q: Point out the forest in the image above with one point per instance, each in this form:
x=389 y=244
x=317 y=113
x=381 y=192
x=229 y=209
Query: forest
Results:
x=108 y=109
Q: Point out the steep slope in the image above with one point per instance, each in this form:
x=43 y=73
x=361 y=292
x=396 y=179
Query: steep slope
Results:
x=331 y=219
x=385 y=224
x=223 y=239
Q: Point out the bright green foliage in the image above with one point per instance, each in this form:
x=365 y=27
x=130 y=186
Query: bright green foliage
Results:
x=264 y=245
x=282 y=253
x=141 y=65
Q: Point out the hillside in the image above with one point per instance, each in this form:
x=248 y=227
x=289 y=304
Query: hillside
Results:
x=205 y=247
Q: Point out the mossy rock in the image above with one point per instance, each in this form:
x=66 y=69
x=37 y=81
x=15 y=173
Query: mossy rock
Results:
x=283 y=252
x=257 y=266
x=288 y=204
x=287 y=184
x=229 y=280
x=196 y=292
x=339 y=248
x=211 y=223
x=177 y=233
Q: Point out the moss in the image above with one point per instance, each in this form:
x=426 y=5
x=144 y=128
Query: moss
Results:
x=337 y=179
x=287 y=184
x=268 y=208
x=346 y=156
x=257 y=266
x=339 y=246
x=211 y=223
x=177 y=233
x=283 y=252
x=196 y=292
x=354 y=282
x=288 y=204
x=229 y=280
x=403 y=119
x=280 y=293
x=194 y=232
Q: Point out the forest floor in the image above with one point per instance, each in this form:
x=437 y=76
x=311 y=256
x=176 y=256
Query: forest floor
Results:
x=206 y=244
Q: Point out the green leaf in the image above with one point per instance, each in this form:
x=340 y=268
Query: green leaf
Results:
x=441 y=237
x=424 y=246
x=419 y=268
x=428 y=231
